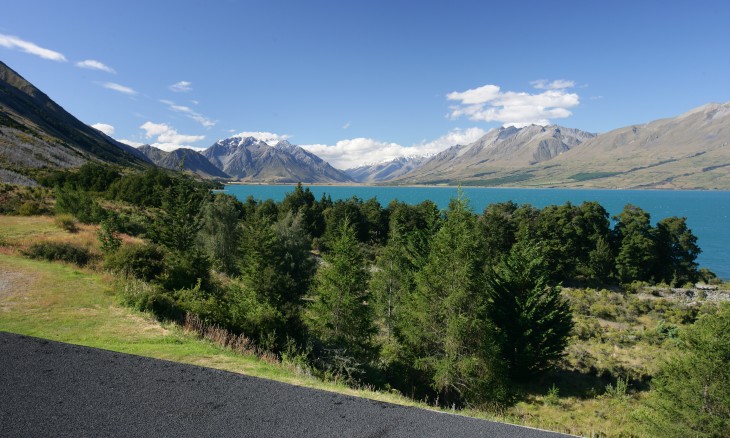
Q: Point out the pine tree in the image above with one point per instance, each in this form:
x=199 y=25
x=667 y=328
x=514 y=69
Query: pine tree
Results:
x=220 y=232
x=636 y=256
x=690 y=396
x=677 y=251
x=446 y=327
x=533 y=320
x=276 y=269
x=340 y=317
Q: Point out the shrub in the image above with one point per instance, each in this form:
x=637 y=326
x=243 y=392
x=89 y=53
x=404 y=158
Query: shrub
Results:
x=553 y=396
x=30 y=208
x=142 y=261
x=59 y=251
x=147 y=297
x=66 y=222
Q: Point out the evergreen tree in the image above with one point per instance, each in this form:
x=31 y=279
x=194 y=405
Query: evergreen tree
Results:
x=340 y=317
x=635 y=259
x=498 y=227
x=677 y=251
x=276 y=269
x=533 y=320
x=690 y=396
x=220 y=232
x=446 y=328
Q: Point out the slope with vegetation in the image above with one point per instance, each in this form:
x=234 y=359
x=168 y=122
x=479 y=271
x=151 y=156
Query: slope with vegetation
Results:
x=539 y=316
x=35 y=132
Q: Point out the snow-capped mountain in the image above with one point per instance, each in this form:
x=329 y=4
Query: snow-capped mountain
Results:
x=251 y=159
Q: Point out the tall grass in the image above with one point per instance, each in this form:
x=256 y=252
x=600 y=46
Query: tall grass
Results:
x=221 y=337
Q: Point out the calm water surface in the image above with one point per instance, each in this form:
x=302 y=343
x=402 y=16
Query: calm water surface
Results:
x=707 y=212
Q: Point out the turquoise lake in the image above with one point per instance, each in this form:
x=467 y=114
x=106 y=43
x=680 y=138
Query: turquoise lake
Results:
x=707 y=212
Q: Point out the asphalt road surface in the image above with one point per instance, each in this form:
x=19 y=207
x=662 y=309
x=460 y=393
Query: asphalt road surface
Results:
x=53 y=389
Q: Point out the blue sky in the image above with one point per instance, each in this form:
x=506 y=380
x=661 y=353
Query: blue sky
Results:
x=364 y=81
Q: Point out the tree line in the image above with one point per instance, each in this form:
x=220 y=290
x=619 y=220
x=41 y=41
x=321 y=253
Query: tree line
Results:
x=450 y=305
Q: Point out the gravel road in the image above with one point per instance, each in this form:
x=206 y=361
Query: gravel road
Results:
x=53 y=389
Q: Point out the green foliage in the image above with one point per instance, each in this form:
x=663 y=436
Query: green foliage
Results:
x=499 y=228
x=142 y=188
x=552 y=398
x=619 y=391
x=340 y=317
x=142 y=261
x=220 y=232
x=300 y=202
x=677 y=251
x=91 y=176
x=66 y=222
x=58 y=251
x=177 y=223
x=276 y=270
x=445 y=327
x=533 y=320
x=108 y=235
x=690 y=396
x=24 y=201
x=80 y=204
x=184 y=270
x=636 y=255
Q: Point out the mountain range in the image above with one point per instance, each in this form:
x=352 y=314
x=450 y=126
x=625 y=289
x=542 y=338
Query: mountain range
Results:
x=690 y=151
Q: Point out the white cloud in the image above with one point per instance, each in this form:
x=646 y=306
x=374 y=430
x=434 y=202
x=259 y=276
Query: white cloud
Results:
x=558 y=84
x=181 y=87
x=134 y=144
x=206 y=122
x=105 y=128
x=12 y=42
x=346 y=125
x=355 y=152
x=268 y=137
x=95 y=65
x=489 y=104
x=167 y=138
x=119 y=88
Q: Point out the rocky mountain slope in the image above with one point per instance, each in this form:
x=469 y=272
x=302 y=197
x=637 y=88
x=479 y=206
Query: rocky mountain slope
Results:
x=252 y=160
x=36 y=132
x=690 y=151
x=498 y=150
x=183 y=159
x=389 y=170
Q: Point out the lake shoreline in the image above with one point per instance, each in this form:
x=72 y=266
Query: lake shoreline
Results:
x=436 y=186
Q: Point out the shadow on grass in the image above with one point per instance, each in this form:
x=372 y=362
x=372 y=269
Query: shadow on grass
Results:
x=578 y=384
